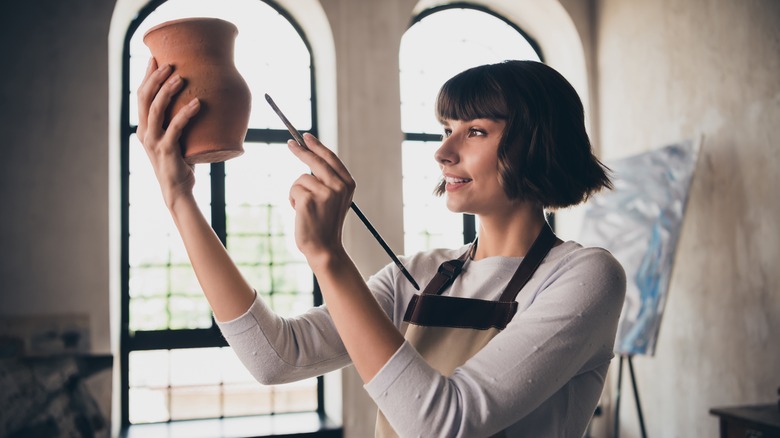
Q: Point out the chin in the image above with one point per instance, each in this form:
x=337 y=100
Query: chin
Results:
x=458 y=208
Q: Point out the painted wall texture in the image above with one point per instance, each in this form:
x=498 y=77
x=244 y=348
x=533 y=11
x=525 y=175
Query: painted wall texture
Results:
x=662 y=71
x=675 y=69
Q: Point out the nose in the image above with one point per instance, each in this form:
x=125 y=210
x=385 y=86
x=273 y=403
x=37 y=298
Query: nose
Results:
x=447 y=152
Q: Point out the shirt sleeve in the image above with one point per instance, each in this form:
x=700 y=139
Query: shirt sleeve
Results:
x=567 y=330
x=280 y=350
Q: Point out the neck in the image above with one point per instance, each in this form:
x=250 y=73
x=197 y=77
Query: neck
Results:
x=509 y=235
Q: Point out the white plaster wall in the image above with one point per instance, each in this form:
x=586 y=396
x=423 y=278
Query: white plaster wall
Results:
x=53 y=170
x=674 y=69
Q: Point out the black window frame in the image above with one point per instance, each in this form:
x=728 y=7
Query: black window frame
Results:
x=190 y=338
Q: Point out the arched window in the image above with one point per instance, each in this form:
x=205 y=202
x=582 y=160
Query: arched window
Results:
x=440 y=43
x=174 y=362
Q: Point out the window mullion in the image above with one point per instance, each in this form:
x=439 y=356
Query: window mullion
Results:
x=218 y=215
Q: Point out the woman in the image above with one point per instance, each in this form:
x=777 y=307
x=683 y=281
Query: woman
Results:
x=513 y=333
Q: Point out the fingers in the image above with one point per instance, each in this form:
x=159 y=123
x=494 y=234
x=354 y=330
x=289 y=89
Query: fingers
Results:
x=160 y=103
x=180 y=120
x=317 y=203
x=155 y=95
x=142 y=109
x=331 y=158
x=310 y=187
x=143 y=112
x=324 y=164
x=148 y=90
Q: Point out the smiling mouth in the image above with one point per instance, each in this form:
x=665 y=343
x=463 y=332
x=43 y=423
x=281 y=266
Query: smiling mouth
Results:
x=452 y=184
x=451 y=180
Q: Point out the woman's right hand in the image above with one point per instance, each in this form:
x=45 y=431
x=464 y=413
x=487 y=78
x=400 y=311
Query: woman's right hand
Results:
x=175 y=176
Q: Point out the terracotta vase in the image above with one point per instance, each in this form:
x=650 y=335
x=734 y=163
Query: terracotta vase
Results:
x=201 y=52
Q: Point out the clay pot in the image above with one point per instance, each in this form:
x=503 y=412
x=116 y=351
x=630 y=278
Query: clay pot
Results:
x=201 y=52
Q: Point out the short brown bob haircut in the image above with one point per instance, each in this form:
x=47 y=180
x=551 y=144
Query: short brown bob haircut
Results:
x=545 y=155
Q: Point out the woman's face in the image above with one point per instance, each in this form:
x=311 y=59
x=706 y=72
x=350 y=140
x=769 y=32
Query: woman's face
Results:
x=468 y=158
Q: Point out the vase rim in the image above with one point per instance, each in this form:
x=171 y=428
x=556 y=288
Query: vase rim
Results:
x=189 y=20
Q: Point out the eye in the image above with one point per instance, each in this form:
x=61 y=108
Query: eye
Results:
x=447 y=133
x=476 y=132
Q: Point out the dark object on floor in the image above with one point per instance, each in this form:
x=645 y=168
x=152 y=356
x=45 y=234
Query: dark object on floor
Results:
x=48 y=396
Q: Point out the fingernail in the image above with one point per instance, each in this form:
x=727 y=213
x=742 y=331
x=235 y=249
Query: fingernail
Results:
x=163 y=67
x=174 y=80
x=194 y=103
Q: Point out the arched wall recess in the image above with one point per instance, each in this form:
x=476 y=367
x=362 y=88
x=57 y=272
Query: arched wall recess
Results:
x=548 y=23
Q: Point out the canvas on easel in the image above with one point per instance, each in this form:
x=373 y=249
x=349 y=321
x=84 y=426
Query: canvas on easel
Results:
x=639 y=222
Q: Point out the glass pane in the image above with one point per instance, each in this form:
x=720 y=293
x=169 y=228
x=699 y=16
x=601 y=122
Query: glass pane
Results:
x=288 y=304
x=269 y=54
x=427 y=221
x=292 y=277
x=159 y=267
x=206 y=383
x=189 y=312
x=434 y=49
x=258 y=276
x=196 y=366
x=148 y=405
x=260 y=221
x=149 y=376
x=146 y=366
x=191 y=402
x=242 y=395
x=443 y=44
x=296 y=396
x=149 y=314
x=248 y=399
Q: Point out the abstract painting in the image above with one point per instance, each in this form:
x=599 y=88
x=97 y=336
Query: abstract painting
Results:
x=639 y=222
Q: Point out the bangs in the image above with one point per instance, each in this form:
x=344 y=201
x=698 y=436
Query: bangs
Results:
x=472 y=94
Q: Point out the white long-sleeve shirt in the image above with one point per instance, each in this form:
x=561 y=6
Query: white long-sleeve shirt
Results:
x=541 y=376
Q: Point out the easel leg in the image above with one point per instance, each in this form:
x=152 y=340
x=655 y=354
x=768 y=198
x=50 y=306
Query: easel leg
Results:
x=616 y=427
x=636 y=397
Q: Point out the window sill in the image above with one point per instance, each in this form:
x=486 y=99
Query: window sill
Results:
x=286 y=425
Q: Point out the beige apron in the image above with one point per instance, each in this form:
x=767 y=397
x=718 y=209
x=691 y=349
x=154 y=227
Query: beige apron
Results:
x=447 y=331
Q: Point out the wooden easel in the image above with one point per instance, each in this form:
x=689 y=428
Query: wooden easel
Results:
x=616 y=431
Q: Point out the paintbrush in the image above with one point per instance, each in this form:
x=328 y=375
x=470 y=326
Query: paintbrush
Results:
x=299 y=139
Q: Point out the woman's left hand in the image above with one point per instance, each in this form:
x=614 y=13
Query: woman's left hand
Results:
x=320 y=200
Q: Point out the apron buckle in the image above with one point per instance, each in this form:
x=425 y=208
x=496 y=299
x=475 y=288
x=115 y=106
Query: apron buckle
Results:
x=451 y=269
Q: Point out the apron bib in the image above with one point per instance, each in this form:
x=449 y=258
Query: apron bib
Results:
x=447 y=331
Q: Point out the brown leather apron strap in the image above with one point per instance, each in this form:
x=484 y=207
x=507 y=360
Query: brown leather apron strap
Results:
x=450 y=269
x=542 y=245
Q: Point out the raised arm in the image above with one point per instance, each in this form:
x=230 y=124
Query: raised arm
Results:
x=321 y=203
x=228 y=294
